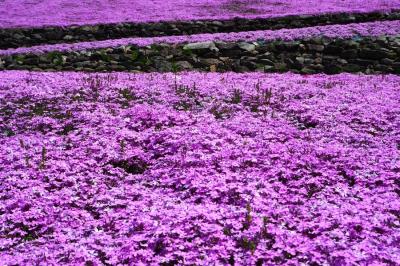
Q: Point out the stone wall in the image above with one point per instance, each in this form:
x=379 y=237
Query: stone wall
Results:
x=13 y=38
x=318 y=55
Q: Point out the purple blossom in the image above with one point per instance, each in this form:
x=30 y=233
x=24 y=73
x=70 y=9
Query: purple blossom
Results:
x=23 y=13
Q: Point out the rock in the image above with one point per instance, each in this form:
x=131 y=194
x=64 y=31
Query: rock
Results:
x=217 y=23
x=376 y=53
x=309 y=61
x=387 y=61
x=349 y=54
x=280 y=67
x=318 y=67
x=210 y=61
x=351 y=44
x=362 y=62
x=300 y=60
x=342 y=61
x=247 y=46
x=163 y=66
x=225 y=45
x=68 y=37
x=232 y=53
x=383 y=68
x=352 y=68
x=87 y=29
x=316 y=47
x=117 y=68
x=83 y=64
x=268 y=68
x=37 y=37
x=266 y=55
x=200 y=46
x=18 y=36
x=265 y=61
x=225 y=59
x=306 y=70
x=184 y=65
x=333 y=69
x=114 y=57
x=396 y=67
x=288 y=46
x=333 y=49
x=318 y=60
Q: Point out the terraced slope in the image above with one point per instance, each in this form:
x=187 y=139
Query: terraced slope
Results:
x=372 y=47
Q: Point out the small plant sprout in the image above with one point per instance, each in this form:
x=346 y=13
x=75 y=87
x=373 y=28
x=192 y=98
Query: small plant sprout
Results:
x=261 y=99
x=43 y=159
x=248 y=218
x=122 y=144
x=27 y=161
x=22 y=144
x=236 y=96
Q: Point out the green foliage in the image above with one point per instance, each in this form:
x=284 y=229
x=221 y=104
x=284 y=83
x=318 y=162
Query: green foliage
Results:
x=134 y=54
x=56 y=57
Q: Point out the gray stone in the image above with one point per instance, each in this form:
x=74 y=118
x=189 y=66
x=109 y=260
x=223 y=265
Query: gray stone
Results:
x=387 y=61
x=362 y=62
x=333 y=69
x=184 y=65
x=225 y=59
x=376 y=53
x=316 y=47
x=217 y=23
x=280 y=66
x=306 y=70
x=348 y=54
x=268 y=68
x=318 y=60
x=300 y=59
x=68 y=37
x=117 y=68
x=163 y=66
x=37 y=37
x=200 y=46
x=247 y=46
x=288 y=46
x=18 y=36
x=210 y=61
x=225 y=45
x=334 y=49
x=309 y=61
x=351 y=44
x=265 y=61
x=267 y=55
x=318 y=67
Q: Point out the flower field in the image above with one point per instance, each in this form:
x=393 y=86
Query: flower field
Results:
x=229 y=132
x=24 y=13
x=199 y=169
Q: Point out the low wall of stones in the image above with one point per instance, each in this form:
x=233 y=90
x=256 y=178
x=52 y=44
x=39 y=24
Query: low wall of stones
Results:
x=371 y=55
x=20 y=37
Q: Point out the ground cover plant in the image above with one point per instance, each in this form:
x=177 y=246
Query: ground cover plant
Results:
x=23 y=13
x=197 y=168
x=358 y=30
